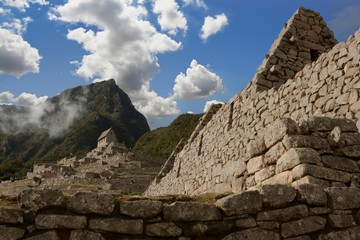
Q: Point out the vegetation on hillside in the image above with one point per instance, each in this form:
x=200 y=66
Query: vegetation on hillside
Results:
x=160 y=142
x=99 y=106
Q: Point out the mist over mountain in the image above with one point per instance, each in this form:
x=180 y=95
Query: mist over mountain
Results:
x=68 y=123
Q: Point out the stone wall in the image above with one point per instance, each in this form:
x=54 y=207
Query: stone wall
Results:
x=272 y=212
x=215 y=159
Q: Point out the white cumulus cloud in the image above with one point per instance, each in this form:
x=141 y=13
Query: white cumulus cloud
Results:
x=213 y=25
x=209 y=103
x=24 y=99
x=170 y=19
x=17 y=57
x=122 y=45
x=17 y=26
x=198 y=82
x=198 y=3
x=23 y=4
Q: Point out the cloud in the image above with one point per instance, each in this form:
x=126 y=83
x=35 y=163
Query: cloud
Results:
x=198 y=3
x=198 y=82
x=170 y=17
x=23 y=4
x=17 y=57
x=213 y=25
x=17 y=26
x=346 y=22
x=209 y=103
x=32 y=111
x=122 y=45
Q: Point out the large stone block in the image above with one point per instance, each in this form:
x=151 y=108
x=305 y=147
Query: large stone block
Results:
x=349 y=151
x=255 y=164
x=249 y=202
x=52 y=221
x=191 y=211
x=116 y=225
x=343 y=198
x=35 y=199
x=340 y=163
x=11 y=233
x=90 y=202
x=278 y=130
x=310 y=180
x=296 y=156
x=141 y=208
x=277 y=195
x=302 y=226
x=305 y=141
x=253 y=233
x=346 y=234
x=85 y=235
x=312 y=194
x=341 y=220
x=303 y=170
x=166 y=229
x=274 y=153
x=264 y=174
x=281 y=178
x=53 y=235
x=284 y=214
x=11 y=215
x=326 y=124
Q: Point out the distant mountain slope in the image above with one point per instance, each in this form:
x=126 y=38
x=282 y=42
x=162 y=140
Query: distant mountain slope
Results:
x=160 y=142
x=69 y=123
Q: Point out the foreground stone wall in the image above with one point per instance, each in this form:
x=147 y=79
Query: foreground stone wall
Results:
x=213 y=161
x=272 y=212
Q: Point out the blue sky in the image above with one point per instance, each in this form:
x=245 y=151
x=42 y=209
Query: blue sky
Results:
x=170 y=56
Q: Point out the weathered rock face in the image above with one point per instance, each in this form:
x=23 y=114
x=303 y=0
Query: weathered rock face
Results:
x=247 y=142
x=272 y=212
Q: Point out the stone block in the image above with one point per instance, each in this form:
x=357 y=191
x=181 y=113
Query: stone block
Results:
x=281 y=178
x=11 y=233
x=190 y=211
x=340 y=163
x=141 y=208
x=255 y=164
x=165 y=229
x=249 y=202
x=343 y=198
x=255 y=148
x=53 y=235
x=296 y=156
x=253 y=233
x=326 y=124
x=284 y=214
x=264 y=174
x=277 y=195
x=85 y=235
x=35 y=199
x=274 y=153
x=302 y=226
x=91 y=202
x=116 y=225
x=310 y=180
x=268 y=225
x=52 y=221
x=11 y=215
x=278 y=130
x=312 y=194
x=349 y=151
x=303 y=170
x=304 y=237
x=304 y=141
x=246 y=223
x=341 y=220
x=346 y=234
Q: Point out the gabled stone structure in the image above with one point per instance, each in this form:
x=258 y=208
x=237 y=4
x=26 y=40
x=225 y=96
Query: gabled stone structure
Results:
x=305 y=75
x=106 y=138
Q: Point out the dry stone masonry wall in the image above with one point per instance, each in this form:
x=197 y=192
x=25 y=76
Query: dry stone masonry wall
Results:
x=272 y=212
x=217 y=159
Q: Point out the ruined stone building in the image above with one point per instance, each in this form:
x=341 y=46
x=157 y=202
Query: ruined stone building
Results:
x=267 y=132
x=106 y=138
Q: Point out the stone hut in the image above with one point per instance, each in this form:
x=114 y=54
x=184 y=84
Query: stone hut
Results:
x=106 y=138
